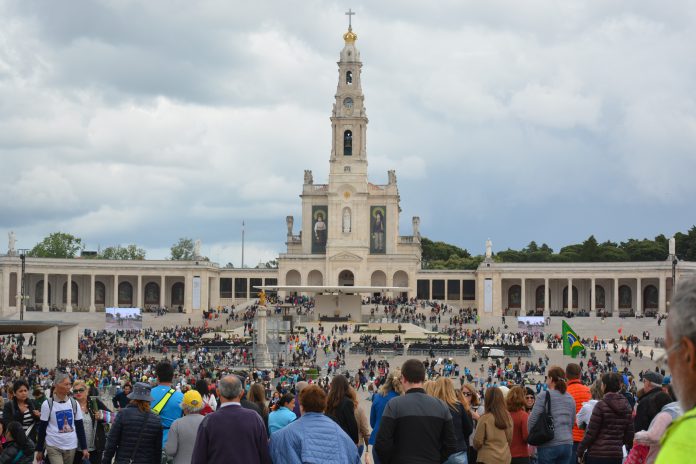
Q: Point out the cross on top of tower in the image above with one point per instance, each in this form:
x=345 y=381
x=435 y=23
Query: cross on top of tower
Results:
x=350 y=13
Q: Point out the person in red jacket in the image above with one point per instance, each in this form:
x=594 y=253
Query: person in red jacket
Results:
x=581 y=394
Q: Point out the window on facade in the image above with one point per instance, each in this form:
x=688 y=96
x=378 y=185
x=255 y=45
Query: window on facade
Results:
x=240 y=288
x=225 y=288
x=177 y=294
x=469 y=289
x=99 y=293
x=125 y=293
x=347 y=143
x=423 y=289
x=349 y=77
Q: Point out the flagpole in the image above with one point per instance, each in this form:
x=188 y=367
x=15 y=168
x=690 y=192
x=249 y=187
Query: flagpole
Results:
x=242 y=244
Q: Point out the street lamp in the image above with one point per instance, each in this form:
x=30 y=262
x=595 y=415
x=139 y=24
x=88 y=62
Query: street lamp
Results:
x=23 y=257
x=674 y=275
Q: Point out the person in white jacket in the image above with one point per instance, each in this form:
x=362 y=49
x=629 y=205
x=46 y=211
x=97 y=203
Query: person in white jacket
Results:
x=582 y=418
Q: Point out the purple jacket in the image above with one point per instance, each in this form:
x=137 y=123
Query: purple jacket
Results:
x=231 y=435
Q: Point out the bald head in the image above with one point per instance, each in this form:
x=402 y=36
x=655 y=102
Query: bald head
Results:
x=230 y=388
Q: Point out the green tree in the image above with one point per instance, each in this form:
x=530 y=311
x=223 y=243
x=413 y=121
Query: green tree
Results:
x=645 y=250
x=57 y=245
x=182 y=250
x=118 y=252
x=439 y=251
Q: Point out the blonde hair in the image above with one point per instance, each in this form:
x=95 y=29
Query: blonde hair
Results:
x=443 y=389
x=392 y=383
x=80 y=383
x=429 y=387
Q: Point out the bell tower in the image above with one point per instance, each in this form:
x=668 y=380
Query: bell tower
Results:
x=348 y=161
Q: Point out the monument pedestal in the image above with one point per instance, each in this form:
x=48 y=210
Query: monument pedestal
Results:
x=262 y=357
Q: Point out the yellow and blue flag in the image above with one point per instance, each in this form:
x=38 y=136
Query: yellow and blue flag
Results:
x=571 y=341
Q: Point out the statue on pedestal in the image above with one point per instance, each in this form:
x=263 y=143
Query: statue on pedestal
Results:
x=197 y=249
x=11 y=243
x=416 y=226
x=308 y=178
x=391 y=174
x=489 y=248
x=289 y=220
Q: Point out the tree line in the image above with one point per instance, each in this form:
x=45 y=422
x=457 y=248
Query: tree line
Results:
x=64 y=245
x=441 y=255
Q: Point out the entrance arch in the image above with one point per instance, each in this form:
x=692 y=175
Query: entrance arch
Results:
x=152 y=293
x=515 y=296
x=650 y=297
x=378 y=279
x=177 y=294
x=293 y=278
x=315 y=278
x=346 y=278
x=540 y=297
x=125 y=294
x=400 y=279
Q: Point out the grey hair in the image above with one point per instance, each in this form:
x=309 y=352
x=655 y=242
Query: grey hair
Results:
x=188 y=409
x=59 y=377
x=230 y=387
x=682 y=312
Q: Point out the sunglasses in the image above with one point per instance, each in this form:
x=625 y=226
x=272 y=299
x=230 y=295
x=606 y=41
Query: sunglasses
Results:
x=78 y=390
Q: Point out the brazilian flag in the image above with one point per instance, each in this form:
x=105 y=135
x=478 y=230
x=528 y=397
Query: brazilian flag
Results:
x=571 y=341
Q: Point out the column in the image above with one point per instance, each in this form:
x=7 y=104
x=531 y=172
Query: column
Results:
x=162 y=291
x=639 y=296
x=45 y=307
x=593 y=298
x=615 y=309
x=92 y=307
x=523 y=303
x=139 y=299
x=5 y=302
x=570 y=294
x=546 y=297
x=188 y=294
x=115 y=303
x=430 y=289
x=68 y=299
x=662 y=292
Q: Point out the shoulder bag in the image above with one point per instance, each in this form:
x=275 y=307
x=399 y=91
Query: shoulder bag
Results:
x=543 y=429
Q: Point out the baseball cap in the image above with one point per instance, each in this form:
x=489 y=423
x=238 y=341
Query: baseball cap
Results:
x=653 y=377
x=192 y=399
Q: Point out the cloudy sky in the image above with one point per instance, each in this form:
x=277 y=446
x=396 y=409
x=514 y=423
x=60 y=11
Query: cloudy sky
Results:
x=146 y=121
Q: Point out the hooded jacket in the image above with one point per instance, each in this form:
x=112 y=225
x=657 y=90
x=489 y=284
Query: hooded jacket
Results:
x=610 y=428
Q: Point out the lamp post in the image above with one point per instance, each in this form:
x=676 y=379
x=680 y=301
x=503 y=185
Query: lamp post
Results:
x=22 y=296
x=674 y=275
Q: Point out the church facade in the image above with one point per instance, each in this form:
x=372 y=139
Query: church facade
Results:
x=348 y=235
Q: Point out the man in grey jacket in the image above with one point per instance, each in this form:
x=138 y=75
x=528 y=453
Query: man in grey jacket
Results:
x=182 y=434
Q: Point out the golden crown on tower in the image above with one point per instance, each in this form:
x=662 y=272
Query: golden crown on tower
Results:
x=350 y=36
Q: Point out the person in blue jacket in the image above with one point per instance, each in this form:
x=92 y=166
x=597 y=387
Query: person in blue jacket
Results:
x=313 y=437
x=391 y=388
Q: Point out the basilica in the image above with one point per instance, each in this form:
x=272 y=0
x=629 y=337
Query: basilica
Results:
x=348 y=235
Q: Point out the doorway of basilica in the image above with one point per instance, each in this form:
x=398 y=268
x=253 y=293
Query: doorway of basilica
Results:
x=346 y=279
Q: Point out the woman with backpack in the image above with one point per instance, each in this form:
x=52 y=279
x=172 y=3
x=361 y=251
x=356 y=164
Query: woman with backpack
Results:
x=560 y=447
x=22 y=409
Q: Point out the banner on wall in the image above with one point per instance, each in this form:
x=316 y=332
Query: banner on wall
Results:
x=196 y=292
x=378 y=229
x=320 y=222
x=488 y=295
